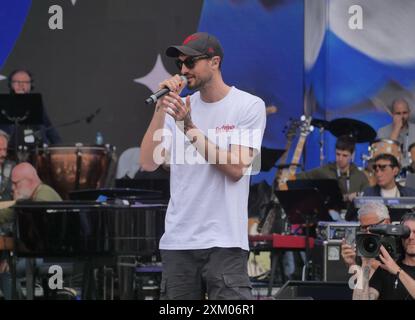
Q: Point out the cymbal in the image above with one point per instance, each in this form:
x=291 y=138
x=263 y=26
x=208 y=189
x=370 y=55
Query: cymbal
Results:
x=360 y=131
x=320 y=123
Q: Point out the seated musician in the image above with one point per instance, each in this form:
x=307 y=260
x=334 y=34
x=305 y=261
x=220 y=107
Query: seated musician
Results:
x=387 y=168
x=6 y=167
x=21 y=82
x=351 y=180
x=400 y=129
x=26 y=185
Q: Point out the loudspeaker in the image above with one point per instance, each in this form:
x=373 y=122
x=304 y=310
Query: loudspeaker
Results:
x=314 y=290
x=328 y=264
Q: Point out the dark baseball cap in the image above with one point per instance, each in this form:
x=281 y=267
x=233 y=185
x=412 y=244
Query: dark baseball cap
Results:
x=197 y=44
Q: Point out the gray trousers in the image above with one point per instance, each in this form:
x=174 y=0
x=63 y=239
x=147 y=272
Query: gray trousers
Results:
x=215 y=273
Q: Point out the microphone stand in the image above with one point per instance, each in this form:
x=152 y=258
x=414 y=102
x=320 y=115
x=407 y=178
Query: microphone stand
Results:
x=88 y=120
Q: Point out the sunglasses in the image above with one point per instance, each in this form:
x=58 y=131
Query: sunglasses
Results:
x=381 y=167
x=365 y=227
x=190 y=62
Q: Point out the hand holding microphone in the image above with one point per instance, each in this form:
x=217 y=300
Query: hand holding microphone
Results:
x=175 y=84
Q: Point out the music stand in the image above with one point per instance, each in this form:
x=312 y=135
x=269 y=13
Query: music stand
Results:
x=304 y=206
x=21 y=109
x=269 y=157
x=328 y=188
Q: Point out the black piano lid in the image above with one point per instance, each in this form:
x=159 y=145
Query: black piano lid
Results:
x=80 y=204
x=87 y=228
x=115 y=193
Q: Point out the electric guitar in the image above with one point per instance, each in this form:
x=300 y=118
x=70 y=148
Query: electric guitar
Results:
x=290 y=134
x=274 y=219
x=289 y=173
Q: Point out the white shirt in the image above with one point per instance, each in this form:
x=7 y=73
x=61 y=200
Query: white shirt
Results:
x=207 y=209
x=390 y=193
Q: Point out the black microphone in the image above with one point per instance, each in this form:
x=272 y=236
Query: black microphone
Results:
x=157 y=95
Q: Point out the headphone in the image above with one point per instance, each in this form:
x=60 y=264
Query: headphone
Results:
x=12 y=74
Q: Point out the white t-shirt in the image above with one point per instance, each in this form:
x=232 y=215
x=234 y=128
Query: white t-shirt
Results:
x=207 y=209
x=391 y=193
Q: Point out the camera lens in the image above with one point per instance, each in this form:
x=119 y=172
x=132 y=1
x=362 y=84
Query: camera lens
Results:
x=370 y=245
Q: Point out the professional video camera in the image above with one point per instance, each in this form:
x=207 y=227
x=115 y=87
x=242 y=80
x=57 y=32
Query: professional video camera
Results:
x=388 y=235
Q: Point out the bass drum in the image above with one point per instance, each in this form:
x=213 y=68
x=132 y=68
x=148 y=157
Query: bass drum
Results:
x=78 y=167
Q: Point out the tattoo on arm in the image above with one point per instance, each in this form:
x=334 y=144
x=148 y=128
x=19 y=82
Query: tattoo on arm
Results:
x=362 y=293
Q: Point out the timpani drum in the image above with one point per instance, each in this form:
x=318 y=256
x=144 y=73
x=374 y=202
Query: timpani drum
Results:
x=76 y=167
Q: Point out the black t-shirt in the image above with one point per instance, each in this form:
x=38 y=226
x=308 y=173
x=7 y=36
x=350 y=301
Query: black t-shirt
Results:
x=384 y=282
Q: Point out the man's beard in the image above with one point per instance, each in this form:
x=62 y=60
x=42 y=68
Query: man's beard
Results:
x=198 y=84
x=22 y=195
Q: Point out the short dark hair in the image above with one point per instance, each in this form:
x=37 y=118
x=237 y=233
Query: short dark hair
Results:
x=411 y=146
x=346 y=142
x=390 y=157
x=409 y=216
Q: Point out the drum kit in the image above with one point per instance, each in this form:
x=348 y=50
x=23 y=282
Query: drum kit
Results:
x=362 y=133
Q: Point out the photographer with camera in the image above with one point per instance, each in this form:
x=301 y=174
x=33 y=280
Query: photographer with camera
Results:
x=394 y=280
x=370 y=214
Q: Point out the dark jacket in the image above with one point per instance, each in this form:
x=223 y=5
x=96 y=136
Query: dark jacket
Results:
x=44 y=133
x=375 y=191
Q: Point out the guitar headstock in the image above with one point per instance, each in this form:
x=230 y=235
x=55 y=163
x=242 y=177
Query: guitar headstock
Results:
x=290 y=129
x=305 y=125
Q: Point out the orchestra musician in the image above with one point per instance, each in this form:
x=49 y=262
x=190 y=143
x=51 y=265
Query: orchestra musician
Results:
x=21 y=82
x=400 y=130
x=350 y=179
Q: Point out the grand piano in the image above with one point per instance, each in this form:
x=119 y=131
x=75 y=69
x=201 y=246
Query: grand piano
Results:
x=89 y=231
x=79 y=229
